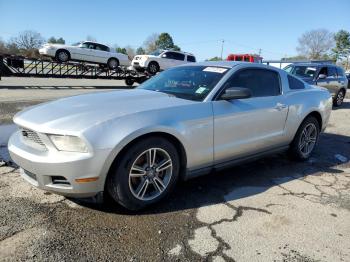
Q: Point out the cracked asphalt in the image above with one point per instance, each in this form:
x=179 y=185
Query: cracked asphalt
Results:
x=273 y=209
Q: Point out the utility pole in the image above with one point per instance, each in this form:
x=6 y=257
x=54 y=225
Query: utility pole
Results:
x=222 y=47
x=260 y=51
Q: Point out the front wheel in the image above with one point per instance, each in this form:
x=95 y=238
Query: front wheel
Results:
x=305 y=139
x=153 y=68
x=338 y=100
x=145 y=174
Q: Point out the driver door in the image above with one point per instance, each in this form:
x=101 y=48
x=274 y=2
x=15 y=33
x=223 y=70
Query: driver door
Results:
x=252 y=125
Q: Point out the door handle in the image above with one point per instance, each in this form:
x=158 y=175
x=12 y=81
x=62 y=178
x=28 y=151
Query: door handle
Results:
x=280 y=106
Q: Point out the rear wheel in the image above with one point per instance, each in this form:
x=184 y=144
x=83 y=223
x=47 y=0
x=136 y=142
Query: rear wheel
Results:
x=305 y=139
x=145 y=174
x=338 y=99
x=62 y=56
x=112 y=63
x=153 y=68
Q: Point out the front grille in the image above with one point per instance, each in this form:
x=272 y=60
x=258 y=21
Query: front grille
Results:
x=32 y=138
x=59 y=180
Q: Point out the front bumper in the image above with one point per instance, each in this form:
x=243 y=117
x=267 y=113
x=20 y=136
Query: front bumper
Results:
x=58 y=171
x=47 y=51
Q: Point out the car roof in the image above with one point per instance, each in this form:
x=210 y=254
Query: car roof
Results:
x=228 y=64
x=312 y=64
x=175 y=51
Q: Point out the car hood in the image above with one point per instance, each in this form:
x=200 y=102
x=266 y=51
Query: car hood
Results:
x=77 y=113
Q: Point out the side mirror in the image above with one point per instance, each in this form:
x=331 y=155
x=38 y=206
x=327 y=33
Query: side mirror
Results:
x=236 y=93
x=164 y=55
x=322 y=76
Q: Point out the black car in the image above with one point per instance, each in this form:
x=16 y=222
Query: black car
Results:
x=329 y=76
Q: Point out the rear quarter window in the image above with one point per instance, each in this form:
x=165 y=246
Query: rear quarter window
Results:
x=295 y=83
x=191 y=58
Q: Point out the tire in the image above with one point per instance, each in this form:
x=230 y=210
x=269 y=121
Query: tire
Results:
x=153 y=68
x=112 y=63
x=307 y=135
x=129 y=81
x=131 y=189
x=338 y=99
x=62 y=56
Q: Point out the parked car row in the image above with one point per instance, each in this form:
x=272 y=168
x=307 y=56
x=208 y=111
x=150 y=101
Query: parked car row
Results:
x=101 y=54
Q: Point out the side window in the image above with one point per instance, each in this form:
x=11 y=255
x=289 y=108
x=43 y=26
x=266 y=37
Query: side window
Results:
x=332 y=72
x=261 y=82
x=323 y=71
x=191 y=58
x=178 y=56
x=295 y=83
x=288 y=69
x=102 y=48
x=168 y=55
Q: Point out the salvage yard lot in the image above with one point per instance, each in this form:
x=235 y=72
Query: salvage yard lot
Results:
x=271 y=209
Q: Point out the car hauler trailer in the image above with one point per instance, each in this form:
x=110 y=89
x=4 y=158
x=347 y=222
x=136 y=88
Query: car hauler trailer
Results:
x=29 y=67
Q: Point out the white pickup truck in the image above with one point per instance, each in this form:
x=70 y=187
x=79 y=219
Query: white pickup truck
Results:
x=87 y=52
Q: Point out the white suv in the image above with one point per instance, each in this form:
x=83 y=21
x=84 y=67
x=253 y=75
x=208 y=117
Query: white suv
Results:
x=86 y=52
x=161 y=60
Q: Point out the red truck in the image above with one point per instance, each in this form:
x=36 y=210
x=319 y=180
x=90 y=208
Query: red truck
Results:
x=245 y=57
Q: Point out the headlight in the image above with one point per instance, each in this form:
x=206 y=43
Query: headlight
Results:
x=69 y=143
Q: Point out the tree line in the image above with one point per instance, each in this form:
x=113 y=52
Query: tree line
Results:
x=318 y=44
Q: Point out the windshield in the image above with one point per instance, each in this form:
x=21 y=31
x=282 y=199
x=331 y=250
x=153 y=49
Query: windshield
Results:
x=156 y=53
x=76 y=44
x=187 y=82
x=302 y=71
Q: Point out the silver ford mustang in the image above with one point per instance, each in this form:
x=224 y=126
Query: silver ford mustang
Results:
x=136 y=144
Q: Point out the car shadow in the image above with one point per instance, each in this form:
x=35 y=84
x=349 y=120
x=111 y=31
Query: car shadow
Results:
x=255 y=177
x=344 y=105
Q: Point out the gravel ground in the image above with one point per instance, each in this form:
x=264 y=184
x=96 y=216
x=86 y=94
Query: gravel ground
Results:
x=273 y=209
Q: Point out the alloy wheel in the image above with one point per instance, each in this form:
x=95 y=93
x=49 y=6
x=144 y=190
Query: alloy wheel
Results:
x=340 y=98
x=150 y=174
x=63 y=56
x=153 y=68
x=308 y=139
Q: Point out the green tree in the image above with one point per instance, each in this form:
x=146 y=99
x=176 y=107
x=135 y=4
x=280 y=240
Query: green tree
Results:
x=140 y=51
x=294 y=58
x=121 y=50
x=53 y=40
x=342 y=46
x=165 y=41
x=215 y=58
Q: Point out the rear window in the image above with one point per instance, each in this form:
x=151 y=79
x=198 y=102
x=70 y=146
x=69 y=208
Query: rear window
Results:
x=191 y=58
x=295 y=83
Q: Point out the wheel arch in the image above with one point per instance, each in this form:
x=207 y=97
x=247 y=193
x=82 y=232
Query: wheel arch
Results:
x=316 y=115
x=170 y=137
